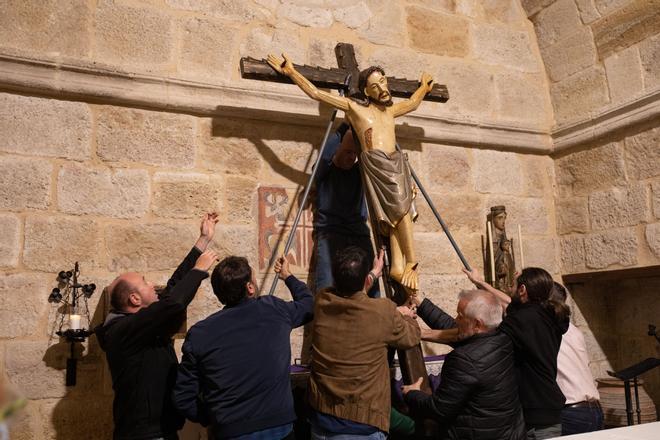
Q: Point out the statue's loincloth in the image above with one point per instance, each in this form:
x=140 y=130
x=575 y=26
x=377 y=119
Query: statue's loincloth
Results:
x=388 y=187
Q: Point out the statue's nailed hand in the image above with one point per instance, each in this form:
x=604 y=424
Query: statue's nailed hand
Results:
x=427 y=81
x=285 y=67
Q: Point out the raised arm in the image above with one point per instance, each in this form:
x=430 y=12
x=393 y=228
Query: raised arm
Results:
x=300 y=310
x=376 y=270
x=480 y=283
x=440 y=336
x=405 y=331
x=151 y=321
x=403 y=107
x=331 y=147
x=206 y=232
x=285 y=67
x=434 y=316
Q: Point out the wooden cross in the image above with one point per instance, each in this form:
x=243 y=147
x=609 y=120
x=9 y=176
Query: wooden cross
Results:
x=336 y=78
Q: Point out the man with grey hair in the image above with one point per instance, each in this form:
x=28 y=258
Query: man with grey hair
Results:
x=478 y=393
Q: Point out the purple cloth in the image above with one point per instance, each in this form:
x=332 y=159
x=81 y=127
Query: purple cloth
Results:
x=397 y=395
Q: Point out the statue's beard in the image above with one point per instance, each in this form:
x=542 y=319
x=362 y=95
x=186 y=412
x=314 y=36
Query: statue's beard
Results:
x=387 y=101
x=366 y=100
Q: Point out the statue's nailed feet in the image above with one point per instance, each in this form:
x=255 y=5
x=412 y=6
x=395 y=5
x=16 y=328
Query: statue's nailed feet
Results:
x=409 y=278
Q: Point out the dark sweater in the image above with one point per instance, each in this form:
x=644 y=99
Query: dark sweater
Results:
x=478 y=396
x=142 y=361
x=434 y=316
x=340 y=206
x=536 y=336
x=234 y=374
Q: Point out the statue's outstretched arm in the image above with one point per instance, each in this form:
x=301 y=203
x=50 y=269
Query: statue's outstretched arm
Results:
x=403 y=107
x=286 y=68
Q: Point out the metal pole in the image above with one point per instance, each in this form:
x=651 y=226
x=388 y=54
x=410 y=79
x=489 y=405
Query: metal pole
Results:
x=638 y=410
x=629 y=410
x=437 y=215
x=289 y=241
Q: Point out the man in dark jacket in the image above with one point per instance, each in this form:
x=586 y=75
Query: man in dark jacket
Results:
x=341 y=213
x=478 y=395
x=137 y=338
x=234 y=375
x=535 y=322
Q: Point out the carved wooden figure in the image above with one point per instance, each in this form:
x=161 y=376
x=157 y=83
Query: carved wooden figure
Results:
x=500 y=249
x=388 y=184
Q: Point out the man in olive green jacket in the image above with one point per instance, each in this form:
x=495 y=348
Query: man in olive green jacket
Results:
x=349 y=388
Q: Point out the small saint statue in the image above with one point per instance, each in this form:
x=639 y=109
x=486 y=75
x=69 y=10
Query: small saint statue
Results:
x=499 y=261
x=388 y=183
x=504 y=266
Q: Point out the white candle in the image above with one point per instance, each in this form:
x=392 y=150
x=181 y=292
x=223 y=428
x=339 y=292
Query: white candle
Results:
x=491 y=253
x=522 y=257
x=74 y=322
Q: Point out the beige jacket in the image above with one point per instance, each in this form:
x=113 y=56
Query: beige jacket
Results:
x=350 y=377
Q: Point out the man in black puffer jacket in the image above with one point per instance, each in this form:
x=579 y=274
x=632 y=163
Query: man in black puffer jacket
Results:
x=478 y=394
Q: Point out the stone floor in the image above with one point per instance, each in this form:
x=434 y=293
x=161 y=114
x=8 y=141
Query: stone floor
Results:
x=648 y=431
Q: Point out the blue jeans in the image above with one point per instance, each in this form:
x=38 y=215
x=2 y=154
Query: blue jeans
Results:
x=322 y=434
x=327 y=245
x=576 y=420
x=543 y=432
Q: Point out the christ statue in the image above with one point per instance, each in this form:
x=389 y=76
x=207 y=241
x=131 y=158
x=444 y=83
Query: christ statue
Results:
x=388 y=184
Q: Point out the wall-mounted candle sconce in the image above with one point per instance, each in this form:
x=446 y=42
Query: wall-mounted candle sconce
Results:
x=74 y=320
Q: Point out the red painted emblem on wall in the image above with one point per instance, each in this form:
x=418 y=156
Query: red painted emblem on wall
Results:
x=276 y=215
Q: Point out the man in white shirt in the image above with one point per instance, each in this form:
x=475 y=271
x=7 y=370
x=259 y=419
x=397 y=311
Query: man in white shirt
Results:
x=582 y=411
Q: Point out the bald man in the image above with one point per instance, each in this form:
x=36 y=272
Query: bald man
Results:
x=137 y=339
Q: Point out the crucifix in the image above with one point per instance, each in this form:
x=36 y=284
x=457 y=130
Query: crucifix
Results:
x=345 y=77
x=371 y=112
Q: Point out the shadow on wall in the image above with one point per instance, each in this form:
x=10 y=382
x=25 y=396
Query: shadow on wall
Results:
x=258 y=128
x=289 y=150
x=86 y=409
x=85 y=412
x=251 y=140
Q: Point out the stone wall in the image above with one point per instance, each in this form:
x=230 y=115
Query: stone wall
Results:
x=608 y=218
x=122 y=121
x=119 y=189
x=185 y=54
x=608 y=204
x=601 y=57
